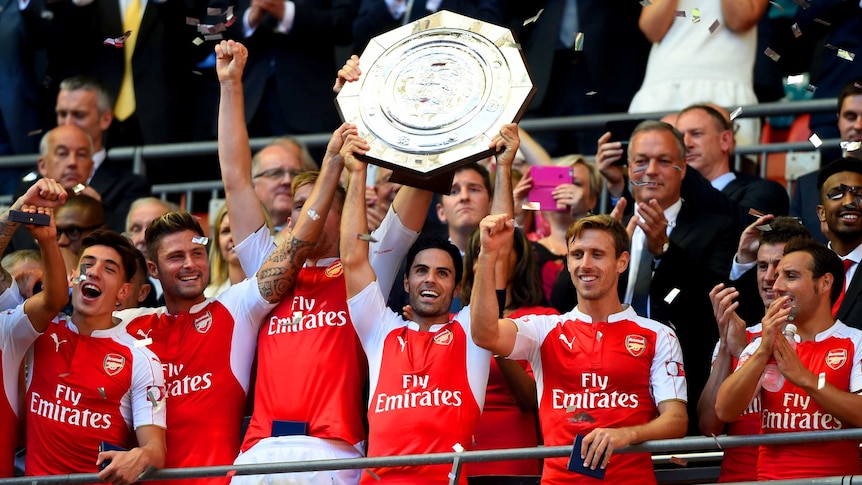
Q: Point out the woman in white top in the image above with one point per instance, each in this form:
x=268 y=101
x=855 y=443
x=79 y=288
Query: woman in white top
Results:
x=707 y=55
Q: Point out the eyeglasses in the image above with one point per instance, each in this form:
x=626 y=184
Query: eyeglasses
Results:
x=842 y=190
x=276 y=173
x=75 y=232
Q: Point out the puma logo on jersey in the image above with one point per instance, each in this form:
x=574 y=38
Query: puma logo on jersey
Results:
x=402 y=342
x=568 y=343
x=57 y=342
x=144 y=334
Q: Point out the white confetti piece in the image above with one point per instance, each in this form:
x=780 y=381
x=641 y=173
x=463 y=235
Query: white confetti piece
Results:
x=736 y=113
x=366 y=237
x=815 y=140
x=695 y=15
x=846 y=55
x=821 y=380
x=811 y=88
x=530 y=21
x=796 y=79
x=823 y=22
x=531 y=206
x=197 y=41
x=78 y=188
x=313 y=214
x=671 y=296
x=772 y=54
x=776 y=5
x=797 y=32
x=202 y=240
x=458 y=448
x=579 y=42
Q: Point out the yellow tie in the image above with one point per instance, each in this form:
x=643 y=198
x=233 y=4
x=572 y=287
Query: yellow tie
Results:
x=126 y=99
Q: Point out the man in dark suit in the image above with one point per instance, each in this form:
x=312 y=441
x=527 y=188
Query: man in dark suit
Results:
x=86 y=103
x=599 y=76
x=806 y=196
x=709 y=145
x=678 y=253
x=840 y=185
x=291 y=59
x=378 y=16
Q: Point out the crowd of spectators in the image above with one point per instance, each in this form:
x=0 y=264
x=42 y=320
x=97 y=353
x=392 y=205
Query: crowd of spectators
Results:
x=337 y=281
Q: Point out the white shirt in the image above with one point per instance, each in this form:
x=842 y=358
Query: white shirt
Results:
x=721 y=181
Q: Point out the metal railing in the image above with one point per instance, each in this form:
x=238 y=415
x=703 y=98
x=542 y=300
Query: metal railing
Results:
x=673 y=446
x=138 y=154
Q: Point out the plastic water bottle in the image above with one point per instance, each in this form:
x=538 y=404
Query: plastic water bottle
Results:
x=772 y=379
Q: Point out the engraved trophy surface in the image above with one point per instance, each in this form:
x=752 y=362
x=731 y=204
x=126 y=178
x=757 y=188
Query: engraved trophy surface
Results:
x=433 y=94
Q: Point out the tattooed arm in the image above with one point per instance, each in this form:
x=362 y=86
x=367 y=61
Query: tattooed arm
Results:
x=45 y=193
x=278 y=274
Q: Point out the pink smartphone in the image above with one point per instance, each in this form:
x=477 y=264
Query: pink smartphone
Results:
x=545 y=180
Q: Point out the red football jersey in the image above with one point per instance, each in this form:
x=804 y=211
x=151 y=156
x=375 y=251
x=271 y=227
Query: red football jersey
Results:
x=85 y=390
x=207 y=356
x=835 y=354
x=310 y=335
x=427 y=388
x=604 y=374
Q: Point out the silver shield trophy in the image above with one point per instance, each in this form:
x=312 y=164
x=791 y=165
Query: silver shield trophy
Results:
x=433 y=94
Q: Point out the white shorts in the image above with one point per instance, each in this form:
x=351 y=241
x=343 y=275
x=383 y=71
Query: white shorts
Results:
x=298 y=448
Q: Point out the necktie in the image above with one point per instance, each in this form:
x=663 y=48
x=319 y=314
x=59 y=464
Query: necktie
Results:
x=569 y=24
x=642 y=283
x=837 y=305
x=126 y=99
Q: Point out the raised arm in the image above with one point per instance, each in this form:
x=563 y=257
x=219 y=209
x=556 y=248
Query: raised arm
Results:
x=488 y=331
x=234 y=152
x=656 y=18
x=358 y=272
x=410 y=204
x=45 y=194
x=741 y=15
x=508 y=140
x=42 y=307
x=278 y=274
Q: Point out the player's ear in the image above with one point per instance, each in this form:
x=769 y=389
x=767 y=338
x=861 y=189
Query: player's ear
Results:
x=821 y=213
x=124 y=291
x=623 y=262
x=153 y=269
x=456 y=292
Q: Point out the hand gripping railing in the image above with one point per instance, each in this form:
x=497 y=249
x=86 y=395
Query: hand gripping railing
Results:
x=457 y=459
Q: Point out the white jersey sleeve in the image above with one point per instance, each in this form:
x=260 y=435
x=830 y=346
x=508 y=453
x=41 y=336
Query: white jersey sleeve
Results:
x=16 y=336
x=478 y=359
x=148 y=394
x=667 y=375
x=244 y=301
x=532 y=330
x=385 y=255
x=254 y=250
x=11 y=297
x=372 y=319
x=130 y=314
